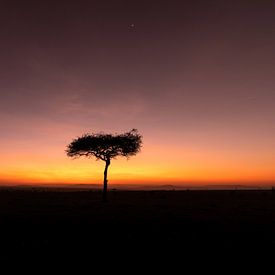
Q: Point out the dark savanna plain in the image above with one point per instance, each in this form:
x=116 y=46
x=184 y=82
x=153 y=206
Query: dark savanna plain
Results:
x=196 y=78
x=169 y=223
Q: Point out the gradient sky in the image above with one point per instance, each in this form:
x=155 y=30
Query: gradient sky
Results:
x=196 y=78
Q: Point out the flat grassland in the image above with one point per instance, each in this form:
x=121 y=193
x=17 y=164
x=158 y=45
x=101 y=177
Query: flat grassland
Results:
x=56 y=219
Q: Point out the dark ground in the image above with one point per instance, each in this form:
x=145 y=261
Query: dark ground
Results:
x=57 y=221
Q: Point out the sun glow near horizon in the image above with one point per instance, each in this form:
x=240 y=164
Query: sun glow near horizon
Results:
x=155 y=164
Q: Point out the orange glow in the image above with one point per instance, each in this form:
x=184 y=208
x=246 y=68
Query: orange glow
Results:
x=153 y=165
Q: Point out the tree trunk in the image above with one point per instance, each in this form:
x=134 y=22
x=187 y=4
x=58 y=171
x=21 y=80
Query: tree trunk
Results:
x=104 y=198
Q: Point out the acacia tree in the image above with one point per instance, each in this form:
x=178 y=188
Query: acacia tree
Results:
x=105 y=147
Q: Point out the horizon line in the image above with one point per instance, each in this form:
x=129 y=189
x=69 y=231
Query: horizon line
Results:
x=139 y=186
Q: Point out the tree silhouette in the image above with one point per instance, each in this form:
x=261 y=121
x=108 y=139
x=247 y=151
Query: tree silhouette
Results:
x=105 y=147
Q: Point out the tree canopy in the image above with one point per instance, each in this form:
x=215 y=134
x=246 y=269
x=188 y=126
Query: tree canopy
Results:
x=105 y=146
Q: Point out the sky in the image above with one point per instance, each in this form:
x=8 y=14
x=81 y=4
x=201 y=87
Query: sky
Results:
x=196 y=78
